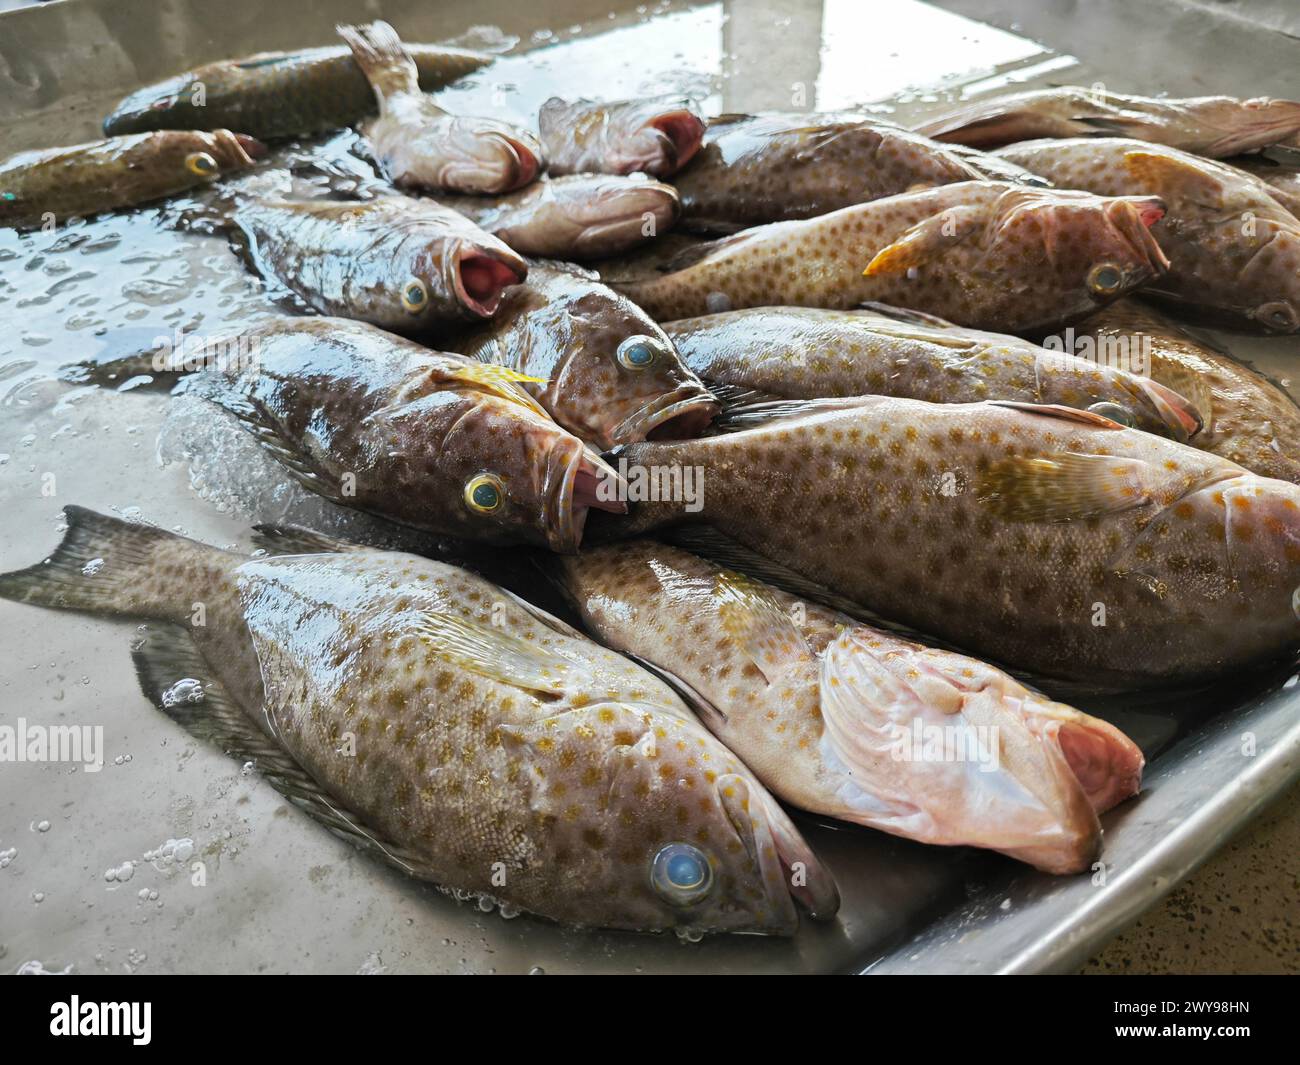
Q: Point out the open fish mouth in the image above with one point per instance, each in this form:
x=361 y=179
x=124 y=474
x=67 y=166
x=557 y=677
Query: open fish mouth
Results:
x=681 y=414
x=1178 y=414
x=1132 y=217
x=234 y=150
x=577 y=480
x=680 y=135
x=479 y=279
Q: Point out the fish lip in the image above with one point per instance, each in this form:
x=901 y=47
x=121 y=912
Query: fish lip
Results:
x=681 y=135
x=687 y=411
x=236 y=149
x=1176 y=411
x=611 y=232
x=467 y=254
x=526 y=161
x=565 y=516
x=1132 y=218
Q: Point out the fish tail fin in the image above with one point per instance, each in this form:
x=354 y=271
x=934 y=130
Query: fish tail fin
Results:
x=104 y=566
x=383 y=59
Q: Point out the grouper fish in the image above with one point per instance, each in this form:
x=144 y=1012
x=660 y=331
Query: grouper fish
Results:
x=985 y=254
x=448 y=728
x=826 y=711
x=656 y=136
x=1054 y=541
x=278 y=94
x=54 y=184
x=425 y=438
x=1234 y=249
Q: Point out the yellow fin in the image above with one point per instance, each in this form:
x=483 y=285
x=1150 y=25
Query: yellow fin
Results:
x=1064 y=487
x=495 y=654
x=753 y=618
x=1174 y=177
x=500 y=381
x=924 y=241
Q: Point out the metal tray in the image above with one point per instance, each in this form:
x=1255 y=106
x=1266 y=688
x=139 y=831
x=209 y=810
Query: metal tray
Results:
x=281 y=895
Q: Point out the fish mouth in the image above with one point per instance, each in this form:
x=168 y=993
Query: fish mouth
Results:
x=233 y=150
x=1275 y=120
x=1179 y=416
x=682 y=414
x=1106 y=763
x=1132 y=218
x=577 y=481
x=524 y=162
x=789 y=869
x=615 y=220
x=680 y=135
x=480 y=278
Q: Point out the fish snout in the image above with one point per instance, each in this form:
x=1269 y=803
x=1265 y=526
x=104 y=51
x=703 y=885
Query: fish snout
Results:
x=1177 y=414
x=682 y=413
x=480 y=275
x=1131 y=219
x=576 y=480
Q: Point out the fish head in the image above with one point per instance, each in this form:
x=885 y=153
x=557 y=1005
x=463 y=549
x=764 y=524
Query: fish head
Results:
x=1270 y=278
x=656 y=136
x=200 y=156
x=165 y=105
x=664 y=828
x=621 y=380
x=605 y=214
x=464 y=268
x=1123 y=397
x=483 y=155
x=1229 y=126
x=948 y=750
x=499 y=469
x=1082 y=251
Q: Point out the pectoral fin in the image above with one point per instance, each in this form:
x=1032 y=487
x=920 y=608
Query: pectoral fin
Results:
x=1064 y=487
x=1175 y=178
x=494 y=653
x=753 y=618
x=925 y=241
x=500 y=381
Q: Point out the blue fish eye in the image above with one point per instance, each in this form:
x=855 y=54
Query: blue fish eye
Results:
x=636 y=353
x=484 y=493
x=681 y=874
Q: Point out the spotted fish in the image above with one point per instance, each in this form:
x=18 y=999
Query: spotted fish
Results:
x=278 y=94
x=585 y=216
x=599 y=365
x=421 y=146
x=1248 y=419
x=54 y=184
x=1283 y=180
x=771 y=353
x=1235 y=249
x=755 y=169
x=656 y=136
x=984 y=254
x=1050 y=540
x=825 y=710
x=449 y=728
x=425 y=438
x=1214 y=126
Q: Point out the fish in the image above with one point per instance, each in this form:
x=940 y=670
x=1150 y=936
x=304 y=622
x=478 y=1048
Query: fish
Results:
x=274 y=95
x=984 y=254
x=656 y=136
x=1212 y=126
x=425 y=438
x=608 y=373
x=755 y=169
x=824 y=710
x=1248 y=418
x=1235 y=249
x=421 y=146
x=447 y=727
x=580 y=217
x=1283 y=180
x=54 y=184
x=1038 y=537
x=408 y=266
x=768 y=354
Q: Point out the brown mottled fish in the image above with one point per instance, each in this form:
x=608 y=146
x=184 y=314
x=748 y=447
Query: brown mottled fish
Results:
x=278 y=94
x=833 y=715
x=984 y=254
x=797 y=353
x=448 y=728
x=421 y=146
x=656 y=136
x=1044 y=538
x=1214 y=126
x=601 y=367
x=1282 y=180
x=755 y=169
x=584 y=216
x=405 y=265
x=54 y=184
x=1248 y=419
x=425 y=438
x=1235 y=249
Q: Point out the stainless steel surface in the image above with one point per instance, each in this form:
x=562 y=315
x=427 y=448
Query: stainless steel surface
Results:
x=279 y=893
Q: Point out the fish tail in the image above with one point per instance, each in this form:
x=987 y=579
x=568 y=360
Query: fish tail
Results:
x=108 y=566
x=383 y=59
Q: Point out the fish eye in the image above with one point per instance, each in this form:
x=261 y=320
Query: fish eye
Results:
x=1115 y=413
x=484 y=493
x=1279 y=314
x=415 y=294
x=637 y=353
x=200 y=163
x=1105 y=279
x=681 y=874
